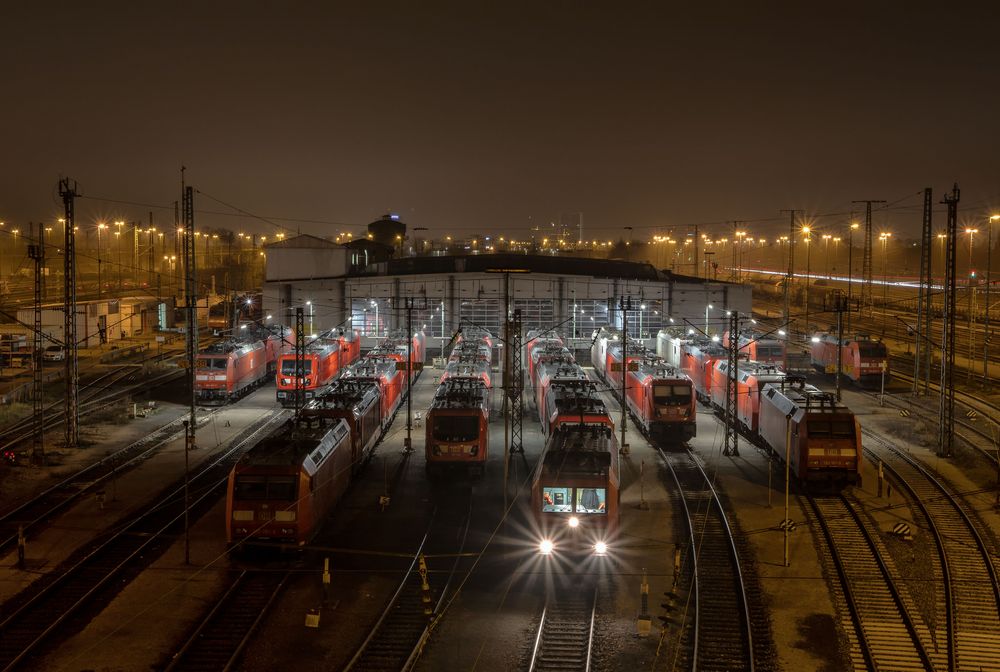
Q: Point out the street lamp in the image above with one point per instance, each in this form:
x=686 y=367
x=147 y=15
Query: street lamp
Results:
x=100 y=227
x=986 y=332
x=807 y=238
x=884 y=237
x=375 y=306
x=850 y=266
x=642 y=309
x=826 y=251
x=707 y=308
x=970 y=290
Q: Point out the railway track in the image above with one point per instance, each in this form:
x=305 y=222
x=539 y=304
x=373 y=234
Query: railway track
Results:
x=565 y=635
x=397 y=638
x=971 y=588
x=219 y=641
x=885 y=636
x=97 y=397
x=718 y=630
x=33 y=513
x=86 y=583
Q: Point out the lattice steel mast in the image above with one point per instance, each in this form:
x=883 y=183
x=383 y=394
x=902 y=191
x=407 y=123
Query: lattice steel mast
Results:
x=946 y=435
x=72 y=364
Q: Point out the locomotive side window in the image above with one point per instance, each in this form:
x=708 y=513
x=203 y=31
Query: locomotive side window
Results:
x=591 y=500
x=557 y=500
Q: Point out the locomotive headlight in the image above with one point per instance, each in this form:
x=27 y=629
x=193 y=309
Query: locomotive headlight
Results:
x=242 y=515
x=600 y=548
x=545 y=548
x=284 y=516
x=574 y=521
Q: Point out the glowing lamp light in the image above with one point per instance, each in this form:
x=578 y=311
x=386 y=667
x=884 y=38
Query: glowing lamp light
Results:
x=545 y=548
x=781 y=332
x=600 y=548
x=715 y=338
x=815 y=339
x=574 y=521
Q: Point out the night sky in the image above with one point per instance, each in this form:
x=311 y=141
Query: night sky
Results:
x=467 y=118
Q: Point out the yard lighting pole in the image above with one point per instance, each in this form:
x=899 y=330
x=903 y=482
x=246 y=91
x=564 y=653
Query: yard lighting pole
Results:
x=989 y=278
x=972 y=320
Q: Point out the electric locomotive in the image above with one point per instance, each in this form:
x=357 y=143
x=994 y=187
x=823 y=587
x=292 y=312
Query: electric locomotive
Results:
x=283 y=489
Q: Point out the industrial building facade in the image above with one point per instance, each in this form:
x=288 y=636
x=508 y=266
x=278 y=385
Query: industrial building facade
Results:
x=441 y=294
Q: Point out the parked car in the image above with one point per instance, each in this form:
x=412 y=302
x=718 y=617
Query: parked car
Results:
x=53 y=353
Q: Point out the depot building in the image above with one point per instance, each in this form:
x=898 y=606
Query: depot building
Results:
x=338 y=285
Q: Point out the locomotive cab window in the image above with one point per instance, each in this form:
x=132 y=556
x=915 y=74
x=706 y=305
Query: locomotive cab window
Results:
x=671 y=394
x=591 y=500
x=843 y=428
x=872 y=349
x=288 y=367
x=264 y=487
x=557 y=500
x=220 y=363
x=456 y=428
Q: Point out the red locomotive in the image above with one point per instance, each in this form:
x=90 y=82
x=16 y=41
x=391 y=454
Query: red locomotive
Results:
x=359 y=402
x=661 y=398
x=759 y=348
x=751 y=377
x=698 y=360
x=575 y=489
x=399 y=348
x=283 y=489
x=324 y=359
x=385 y=372
x=659 y=395
x=457 y=430
x=554 y=371
x=226 y=371
x=865 y=360
x=825 y=436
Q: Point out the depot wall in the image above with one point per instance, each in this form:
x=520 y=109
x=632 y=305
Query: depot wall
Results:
x=379 y=302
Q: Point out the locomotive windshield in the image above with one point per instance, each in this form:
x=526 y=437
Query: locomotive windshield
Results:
x=288 y=367
x=220 y=363
x=573 y=500
x=456 y=428
x=675 y=395
x=871 y=349
x=769 y=351
x=265 y=487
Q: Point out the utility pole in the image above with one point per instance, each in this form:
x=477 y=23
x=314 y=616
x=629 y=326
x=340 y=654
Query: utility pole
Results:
x=37 y=253
x=72 y=363
x=788 y=280
x=625 y=305
x=923 y=355
x=946 y=430
x=515 y=384
x=696 y=274
x=841 y=305
x=300 y=360
x=732 y=444
x=866 y=264
x=192 y=347
x=408 y=301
